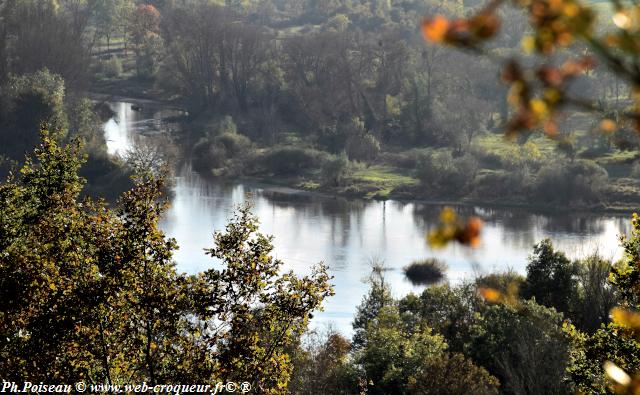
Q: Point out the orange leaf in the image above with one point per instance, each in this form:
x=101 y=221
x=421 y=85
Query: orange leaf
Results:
x=435 y=29
x=490 y=295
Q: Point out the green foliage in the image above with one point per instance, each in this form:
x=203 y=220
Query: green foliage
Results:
x=625 y=275
x=635 y=170
x=32 y=100
x=38 y=35
x=257 y=311
x=442 y=173
x=451 y=312
x=291 y=161
x=148 y=56
x=576 y=181
x=550 y=278
x=91 y=293
x=379 y=296
x=615 y=343
x=536 y=357
x=363 y=147
x=590 y=352
x=339 y=22
x=335 y=170
x=223 y=149
x=453 y=374
x=85 y=123
x=360 y=144
x=232 y=144
x=508 y=283
x=399 y=352
x=595 y=295
x=394 y=353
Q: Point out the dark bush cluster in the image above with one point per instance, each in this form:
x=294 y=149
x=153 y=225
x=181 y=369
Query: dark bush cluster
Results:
x=579 y=181
x=290 y=161
x=442 y=173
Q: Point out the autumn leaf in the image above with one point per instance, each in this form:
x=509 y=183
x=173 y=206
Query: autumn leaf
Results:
x=435 y=29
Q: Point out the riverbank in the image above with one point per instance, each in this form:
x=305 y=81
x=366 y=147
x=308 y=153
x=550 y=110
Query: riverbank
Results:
x=293 y=188
x=381 y=180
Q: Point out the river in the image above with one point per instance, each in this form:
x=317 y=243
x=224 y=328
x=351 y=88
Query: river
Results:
x=348 y=234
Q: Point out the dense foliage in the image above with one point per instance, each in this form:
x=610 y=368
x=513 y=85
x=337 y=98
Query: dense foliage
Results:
x=91 y=293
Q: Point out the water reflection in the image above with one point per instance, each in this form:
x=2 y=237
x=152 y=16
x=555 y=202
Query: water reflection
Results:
x=347 y=234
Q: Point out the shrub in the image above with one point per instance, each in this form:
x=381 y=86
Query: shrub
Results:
x=232 y=144
x=339 y=23
x=112 y=67
x=453 y=374
x=446 y=174
x=363 y=147
x=448 y=311
x=225 y=151
x=502 y=183
x=404 y=160
x=291 y=161
x=335 y=170
x=425 y=272
x=550 y=277
x=580 y=181
x=524 y=347
x=595 y=296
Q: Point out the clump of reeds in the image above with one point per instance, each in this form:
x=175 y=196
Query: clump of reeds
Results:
x=425 y=272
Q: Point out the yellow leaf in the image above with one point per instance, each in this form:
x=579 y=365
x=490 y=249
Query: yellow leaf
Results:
x=448 y=215
x=626 y=318
x=528 y=44
x=539 y=108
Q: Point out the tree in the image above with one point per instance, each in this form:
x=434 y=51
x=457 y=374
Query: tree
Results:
x=144 y=29
x=47 y=35
x=618 y=342
x=524 y=347
x=453 y=374
x=88 y=293
x=323 y=365
x=450 y=312
x=404 y=356
x=91 y=293
x=379 y=296
x=550 y=278
x=192 y=36
x=48 y=266
x=253 y=312
x=394 y=353
x=595 y=295
x=31 y=99
x=110 y=17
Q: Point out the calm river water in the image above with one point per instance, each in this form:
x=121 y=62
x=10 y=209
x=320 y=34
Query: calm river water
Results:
x=348 y=234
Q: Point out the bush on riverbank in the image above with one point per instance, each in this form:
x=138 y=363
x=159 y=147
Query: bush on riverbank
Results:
x=335 y=170
x=223 y=150
x=442 y=173
x=573 y=182
x=290 y=161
